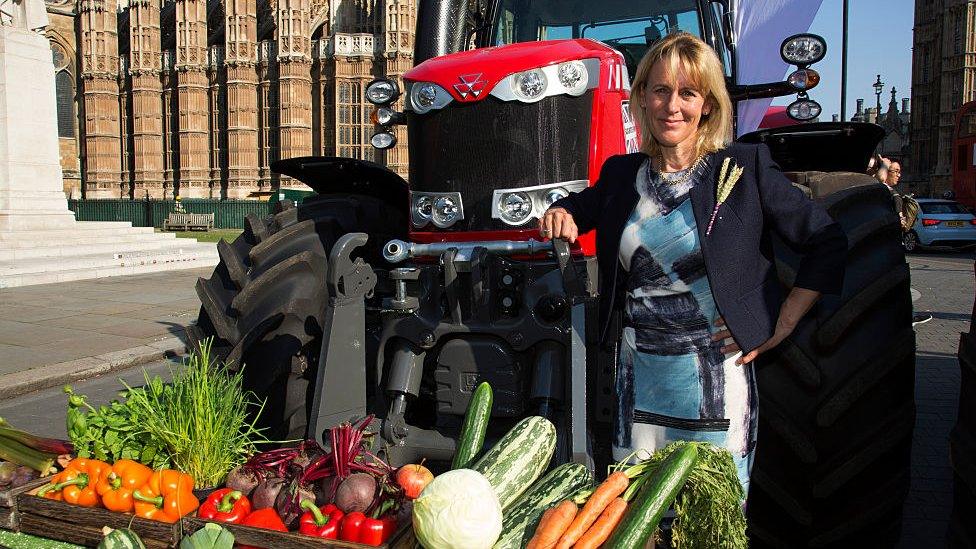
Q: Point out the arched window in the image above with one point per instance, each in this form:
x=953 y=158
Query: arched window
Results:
x=64 y=89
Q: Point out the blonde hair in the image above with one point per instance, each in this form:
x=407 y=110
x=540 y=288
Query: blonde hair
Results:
x=700 y=62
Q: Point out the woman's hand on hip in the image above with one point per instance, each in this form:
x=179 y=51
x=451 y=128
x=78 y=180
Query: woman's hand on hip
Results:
x=558 y=223
x=794 y=307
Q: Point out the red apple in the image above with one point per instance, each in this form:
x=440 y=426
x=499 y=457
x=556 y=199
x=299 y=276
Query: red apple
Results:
x=413 y=478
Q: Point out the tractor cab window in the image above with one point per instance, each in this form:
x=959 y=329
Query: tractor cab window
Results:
x=629 y=26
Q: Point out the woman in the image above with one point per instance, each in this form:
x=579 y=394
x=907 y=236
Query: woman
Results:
x=695 y=283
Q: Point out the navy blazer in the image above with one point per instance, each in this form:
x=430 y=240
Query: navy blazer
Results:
x=738 y=253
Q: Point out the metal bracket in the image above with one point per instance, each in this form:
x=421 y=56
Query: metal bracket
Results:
x=571 y=279
x=340 y=384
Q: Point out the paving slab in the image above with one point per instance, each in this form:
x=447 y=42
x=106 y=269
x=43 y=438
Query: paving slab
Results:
x=53 y=334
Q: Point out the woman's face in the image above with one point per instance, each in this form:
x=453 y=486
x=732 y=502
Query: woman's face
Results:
x=673 y=109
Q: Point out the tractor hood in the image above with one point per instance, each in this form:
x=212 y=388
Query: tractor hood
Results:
x=327 y=174
x=820 y=146
x=465 y=75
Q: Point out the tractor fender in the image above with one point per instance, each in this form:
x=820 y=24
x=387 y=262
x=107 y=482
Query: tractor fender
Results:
x=335 y=175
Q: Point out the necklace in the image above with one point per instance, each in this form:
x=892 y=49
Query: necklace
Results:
x=680 y=177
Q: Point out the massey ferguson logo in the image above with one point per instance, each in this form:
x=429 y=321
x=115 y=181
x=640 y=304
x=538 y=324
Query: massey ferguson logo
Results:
x=471 y=84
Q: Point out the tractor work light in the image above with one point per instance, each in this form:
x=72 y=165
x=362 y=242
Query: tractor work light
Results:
x=382 y=91
x=569 y=78
x=803 y=49
x=530 y=86
x=425 y=96
x=518 y=206
x=441 y=209
x=383 y=140
x=803 y=79
x=803 y=109
x=385 y=116
x=515 y=208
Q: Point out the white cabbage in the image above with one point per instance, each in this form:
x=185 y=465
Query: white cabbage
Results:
x=457 y=510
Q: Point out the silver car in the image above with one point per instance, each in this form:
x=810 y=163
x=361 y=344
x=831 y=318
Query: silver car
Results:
x=941 y=223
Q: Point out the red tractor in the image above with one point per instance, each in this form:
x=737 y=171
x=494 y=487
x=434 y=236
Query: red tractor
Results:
x=395 y=298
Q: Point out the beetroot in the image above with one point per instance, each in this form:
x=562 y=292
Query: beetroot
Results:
x=242 y=480
x=356 y=493
x=266 y=492
x=288 y=504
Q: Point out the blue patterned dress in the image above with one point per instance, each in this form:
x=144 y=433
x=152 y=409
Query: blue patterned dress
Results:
x=673 y=382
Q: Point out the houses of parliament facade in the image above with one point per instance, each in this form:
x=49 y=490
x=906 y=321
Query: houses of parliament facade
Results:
x=196 y=98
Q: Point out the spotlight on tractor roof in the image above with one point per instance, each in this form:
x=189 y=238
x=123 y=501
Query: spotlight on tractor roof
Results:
x=382 y=91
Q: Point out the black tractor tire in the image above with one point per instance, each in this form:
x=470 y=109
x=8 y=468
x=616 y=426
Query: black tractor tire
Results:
x=837 y=398
x=265 y=302
x=962 y=446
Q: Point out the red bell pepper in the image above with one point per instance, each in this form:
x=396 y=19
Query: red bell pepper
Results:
x=321 y=522
x=225 y=505
x=263 y=518
x=359 y=528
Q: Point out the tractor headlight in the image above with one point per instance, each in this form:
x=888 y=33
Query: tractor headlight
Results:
x=383 y=140
x=803 y=49
x=446 y=211
x=520 y=205
x=554 y=195
x=567 y=78
x=572 y=75
x=443 y=209
x=530 y=86
x=382 y=91
x=426 y=96
x=803 y=109
x=516 y=208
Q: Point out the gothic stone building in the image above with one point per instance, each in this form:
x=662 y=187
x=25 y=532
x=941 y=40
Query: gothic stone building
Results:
x=197 y=98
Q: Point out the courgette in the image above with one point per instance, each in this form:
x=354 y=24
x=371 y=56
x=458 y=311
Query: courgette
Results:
x=472 y=437
x=121 y=538
x=522 y=517
x=519 y=458
x=645 y=511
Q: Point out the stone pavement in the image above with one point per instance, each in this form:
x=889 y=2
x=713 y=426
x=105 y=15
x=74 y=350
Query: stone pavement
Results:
x=52 y=334
x=945 y=284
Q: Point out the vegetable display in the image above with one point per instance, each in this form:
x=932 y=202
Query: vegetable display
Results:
x=166 y=497
x=117 y=483
x=458 y=510
x=76 y=484
x=519 y=458
x=521 y=517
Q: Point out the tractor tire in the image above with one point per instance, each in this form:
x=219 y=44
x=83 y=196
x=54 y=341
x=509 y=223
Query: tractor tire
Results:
x=837 y=398
x=962 y=446
x=265 y=302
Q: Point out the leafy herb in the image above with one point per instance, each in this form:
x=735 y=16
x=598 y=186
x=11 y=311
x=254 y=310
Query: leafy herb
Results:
x=114 y=431
x=201 y=419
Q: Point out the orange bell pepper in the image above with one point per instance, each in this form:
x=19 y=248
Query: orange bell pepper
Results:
x=76 y=484
x=167 y=496
x=116 y=485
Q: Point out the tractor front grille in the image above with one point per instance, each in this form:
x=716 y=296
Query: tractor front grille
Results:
x=492 y=144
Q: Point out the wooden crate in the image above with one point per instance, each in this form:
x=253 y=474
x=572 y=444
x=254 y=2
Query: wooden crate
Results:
x=8 y=503
x=259 y=537
x=83 y=525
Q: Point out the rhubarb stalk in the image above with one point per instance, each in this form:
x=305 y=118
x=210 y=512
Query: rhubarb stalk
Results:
x=11 y=450
x=41 y=444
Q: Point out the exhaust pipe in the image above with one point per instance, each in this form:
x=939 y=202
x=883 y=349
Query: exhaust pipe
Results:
x=440 y=29
x=396 y=251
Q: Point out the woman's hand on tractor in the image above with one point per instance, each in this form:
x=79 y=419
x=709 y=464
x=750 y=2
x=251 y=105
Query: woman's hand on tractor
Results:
x=558 y=223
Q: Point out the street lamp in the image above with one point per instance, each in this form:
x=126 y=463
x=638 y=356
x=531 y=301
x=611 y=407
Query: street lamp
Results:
x=878 y=88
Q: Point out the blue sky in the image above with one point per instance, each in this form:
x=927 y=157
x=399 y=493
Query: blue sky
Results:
x=879 y=41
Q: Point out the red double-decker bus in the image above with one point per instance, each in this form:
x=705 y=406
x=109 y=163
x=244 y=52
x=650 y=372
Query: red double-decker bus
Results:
x=964 y=155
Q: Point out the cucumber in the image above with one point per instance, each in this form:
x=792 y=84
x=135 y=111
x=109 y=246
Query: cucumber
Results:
x=121 y=538
x=517 y=460
x=472 y=436
x=653 y=499
x=522 y=517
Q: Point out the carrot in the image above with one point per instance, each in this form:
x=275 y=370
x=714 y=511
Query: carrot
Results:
x=603 y=527
x=552 y=525
x=611 y=488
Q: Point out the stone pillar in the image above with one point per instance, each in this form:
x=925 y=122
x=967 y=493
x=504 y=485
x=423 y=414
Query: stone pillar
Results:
x=145 y=64
x=31 y=191
x=192 y=86
x=100 y=88
x=294 y=81
x=240 y=57
x=267 y=70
